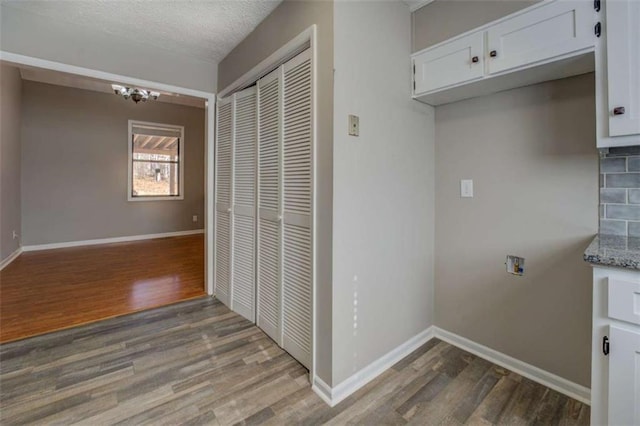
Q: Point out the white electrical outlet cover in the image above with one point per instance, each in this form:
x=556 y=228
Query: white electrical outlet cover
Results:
x=466 y=188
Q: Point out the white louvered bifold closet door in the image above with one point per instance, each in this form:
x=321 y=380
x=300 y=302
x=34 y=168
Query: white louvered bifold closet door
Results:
x=269 y=200
x=297 y=197
x=244 y=203
x=285 y=140
x=224 y=189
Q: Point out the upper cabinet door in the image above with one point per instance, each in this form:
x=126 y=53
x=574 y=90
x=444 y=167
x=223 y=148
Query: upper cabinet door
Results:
x=623 y=66
x=556 y=29
x=456 y=62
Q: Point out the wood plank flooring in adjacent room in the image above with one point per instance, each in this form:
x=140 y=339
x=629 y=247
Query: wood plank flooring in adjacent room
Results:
x=49 y=290
x=199 y=363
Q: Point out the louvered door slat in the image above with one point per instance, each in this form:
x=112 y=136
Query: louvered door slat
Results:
x=297 y=207
x=223 y=186
x=269 y=228
x=244 y=196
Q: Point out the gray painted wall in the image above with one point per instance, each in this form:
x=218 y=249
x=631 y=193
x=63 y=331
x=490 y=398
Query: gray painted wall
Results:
x=443 y=19
x=85 y=46
x=531 y=153
x=383 y=180
x=74 y=166
x=10 y=114
x=283 y=24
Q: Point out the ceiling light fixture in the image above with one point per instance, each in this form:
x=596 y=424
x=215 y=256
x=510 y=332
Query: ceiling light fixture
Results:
x=136 y=95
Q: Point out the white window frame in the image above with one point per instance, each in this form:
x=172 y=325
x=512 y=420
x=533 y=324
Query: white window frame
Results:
x=181 y=161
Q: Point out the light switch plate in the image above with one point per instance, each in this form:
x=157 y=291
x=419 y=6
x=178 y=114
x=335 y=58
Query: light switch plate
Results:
x=466 y=188
x=354 y=125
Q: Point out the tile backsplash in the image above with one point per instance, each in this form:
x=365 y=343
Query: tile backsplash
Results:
x=620 y=191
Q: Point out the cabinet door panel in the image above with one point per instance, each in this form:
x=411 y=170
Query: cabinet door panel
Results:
x=449 y=64
x=539 y=35
x=624 y=377
x=623 y=66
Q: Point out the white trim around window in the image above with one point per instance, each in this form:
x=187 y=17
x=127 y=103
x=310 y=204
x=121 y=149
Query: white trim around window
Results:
x=181 y=162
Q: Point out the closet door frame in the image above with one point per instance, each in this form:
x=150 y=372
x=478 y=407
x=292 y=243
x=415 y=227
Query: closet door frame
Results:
x=306 y=39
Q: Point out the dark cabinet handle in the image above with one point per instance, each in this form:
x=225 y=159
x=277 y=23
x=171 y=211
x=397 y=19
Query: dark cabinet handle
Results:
x=618 y=111
x=493 y=53
x=605 y=345
x=475 y=59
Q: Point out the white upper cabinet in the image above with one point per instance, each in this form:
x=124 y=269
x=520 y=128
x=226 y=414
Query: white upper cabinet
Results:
x=623 y=66
x=551 y=40
x=542 y=34
x=456 y=62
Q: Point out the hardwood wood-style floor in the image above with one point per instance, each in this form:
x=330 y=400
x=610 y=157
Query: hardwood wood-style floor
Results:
x=51 y=290
x=199 y=363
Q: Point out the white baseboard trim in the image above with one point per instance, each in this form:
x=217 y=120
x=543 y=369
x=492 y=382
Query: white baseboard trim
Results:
x=323 y=390
x=557 y=383
x=10 y=258
x=110 y=240
x=333 y=396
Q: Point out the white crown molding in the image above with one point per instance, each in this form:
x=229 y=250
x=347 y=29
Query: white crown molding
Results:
x=110 y=240
x=13 y=256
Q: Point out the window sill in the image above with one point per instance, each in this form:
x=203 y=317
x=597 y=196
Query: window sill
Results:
x=130 y=198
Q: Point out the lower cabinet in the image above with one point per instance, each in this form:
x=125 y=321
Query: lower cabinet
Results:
x=624 y=376
x=615 y=362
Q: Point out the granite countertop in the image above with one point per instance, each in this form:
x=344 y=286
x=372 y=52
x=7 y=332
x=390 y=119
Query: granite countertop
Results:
x=614 y=250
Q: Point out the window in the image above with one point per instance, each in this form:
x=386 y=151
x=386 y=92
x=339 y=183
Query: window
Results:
x=156 y=163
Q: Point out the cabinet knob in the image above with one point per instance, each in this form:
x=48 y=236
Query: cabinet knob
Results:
x=475 y=59
x=605 y=345
x=493 y=53
x=618 y=111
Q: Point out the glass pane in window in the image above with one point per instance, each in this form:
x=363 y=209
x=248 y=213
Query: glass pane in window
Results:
x=158 y=148
x=157 y=179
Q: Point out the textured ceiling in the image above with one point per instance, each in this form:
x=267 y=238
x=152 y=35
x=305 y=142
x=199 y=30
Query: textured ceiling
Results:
x=206 y=29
